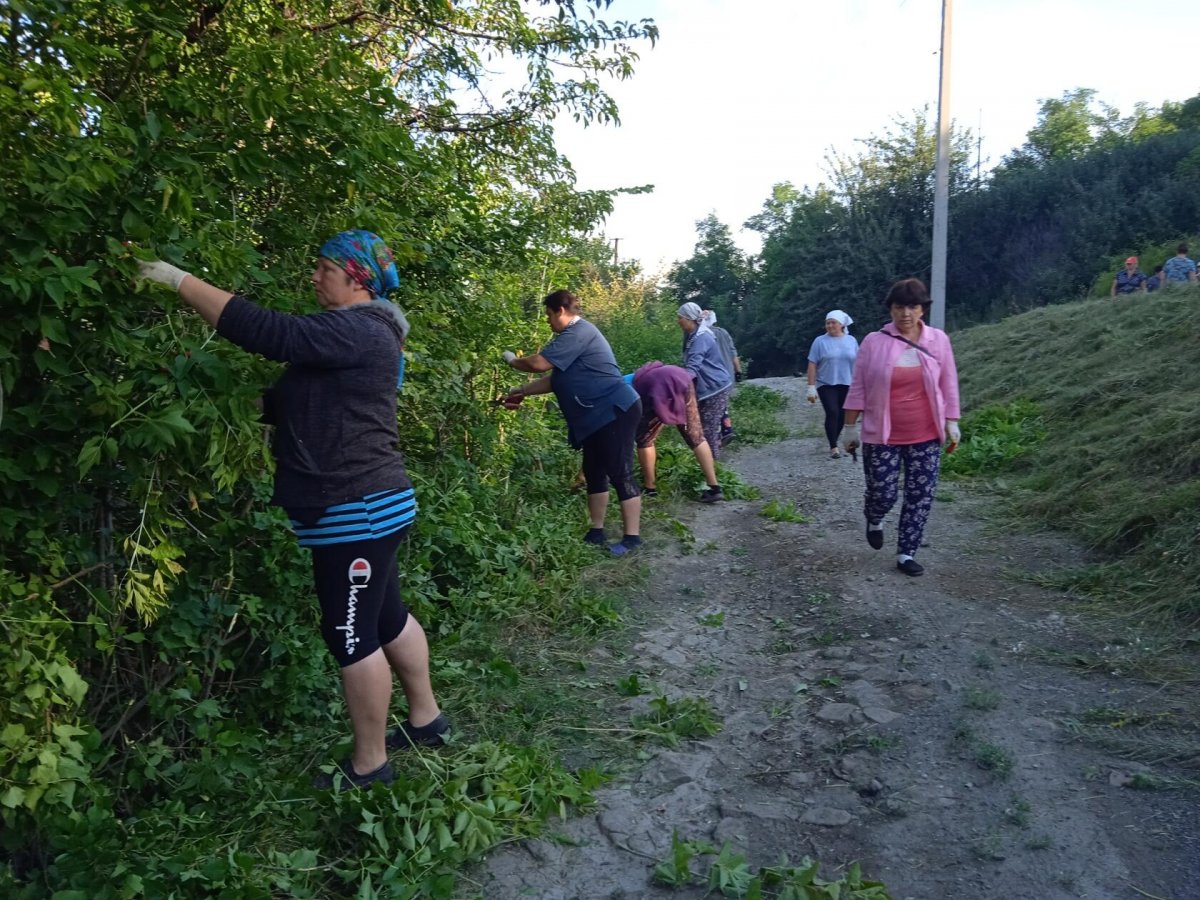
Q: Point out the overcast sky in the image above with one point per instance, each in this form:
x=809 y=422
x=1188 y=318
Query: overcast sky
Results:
x=739 y=95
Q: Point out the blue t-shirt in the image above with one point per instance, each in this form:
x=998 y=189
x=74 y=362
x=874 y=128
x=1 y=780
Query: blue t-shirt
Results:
x=1177 y=268
x=586 y=380
x=834 y=358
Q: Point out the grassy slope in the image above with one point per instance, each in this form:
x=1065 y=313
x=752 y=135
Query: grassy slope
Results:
x=1118 y=384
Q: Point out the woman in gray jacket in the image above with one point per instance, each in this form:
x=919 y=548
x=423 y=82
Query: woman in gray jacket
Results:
x=714 y=382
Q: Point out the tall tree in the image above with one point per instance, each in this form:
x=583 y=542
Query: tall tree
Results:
x=717 y=274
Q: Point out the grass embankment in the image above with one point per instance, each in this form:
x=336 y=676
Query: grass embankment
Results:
x=1091 y=412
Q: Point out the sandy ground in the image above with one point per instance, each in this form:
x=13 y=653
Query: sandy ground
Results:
x=861 y=708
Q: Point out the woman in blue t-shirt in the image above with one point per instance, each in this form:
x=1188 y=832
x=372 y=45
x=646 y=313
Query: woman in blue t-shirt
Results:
x=602 y=412
x=830 y=369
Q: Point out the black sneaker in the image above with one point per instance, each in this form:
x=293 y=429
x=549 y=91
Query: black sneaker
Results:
x=649 y=492
x=712 y=495
x=875 y=538
x=911 y=567
x=346 y=778
x=407 y=735
x=595 y=536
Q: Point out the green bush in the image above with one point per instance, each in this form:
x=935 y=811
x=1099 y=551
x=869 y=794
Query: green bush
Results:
x=994 y=437
x=167 y=697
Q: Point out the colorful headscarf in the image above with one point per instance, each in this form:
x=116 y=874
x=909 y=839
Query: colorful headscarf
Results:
x=365 y=258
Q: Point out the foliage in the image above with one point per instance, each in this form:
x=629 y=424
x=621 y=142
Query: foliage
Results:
x=717 y=276
x=674 y=720
x=639 y=326
x=166 y=684
x=994 y=437
x=676 y=871
x=755 y=411
x=730 y=874
x=1067 y=128
x=783 y=511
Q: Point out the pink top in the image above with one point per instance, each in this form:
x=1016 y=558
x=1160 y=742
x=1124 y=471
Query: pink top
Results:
x=912 y=418
x=871 y=388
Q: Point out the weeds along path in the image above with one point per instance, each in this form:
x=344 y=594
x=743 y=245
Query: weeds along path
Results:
x=911 y=724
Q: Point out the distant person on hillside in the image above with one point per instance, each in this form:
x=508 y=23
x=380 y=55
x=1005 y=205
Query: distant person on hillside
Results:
x=714 y=380
x=905 y=388
x=1179 y=269
x=830 y=371
x=1129 y=280
x=730 y=354
x=601 y=409
x=340 y=477
x=1155 y=281
x=669 y=398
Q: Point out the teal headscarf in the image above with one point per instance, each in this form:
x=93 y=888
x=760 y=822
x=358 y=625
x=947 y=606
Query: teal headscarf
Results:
x=365 y=258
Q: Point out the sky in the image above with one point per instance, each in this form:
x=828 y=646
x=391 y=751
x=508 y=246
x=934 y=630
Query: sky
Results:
x=739 y=95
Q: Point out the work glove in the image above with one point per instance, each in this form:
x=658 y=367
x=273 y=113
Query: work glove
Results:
x=850 y=439
x=811 y=393
x=953 y=435
x=508 y=356
x=161 y=273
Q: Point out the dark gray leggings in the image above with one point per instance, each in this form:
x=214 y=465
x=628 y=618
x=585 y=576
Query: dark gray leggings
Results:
x=833 y=399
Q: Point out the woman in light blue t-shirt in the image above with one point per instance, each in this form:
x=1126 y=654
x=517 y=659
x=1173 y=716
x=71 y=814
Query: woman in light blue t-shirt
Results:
x=830 y=370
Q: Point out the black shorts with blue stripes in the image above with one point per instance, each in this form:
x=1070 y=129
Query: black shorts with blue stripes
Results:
x=358 y=586
x=355 y=572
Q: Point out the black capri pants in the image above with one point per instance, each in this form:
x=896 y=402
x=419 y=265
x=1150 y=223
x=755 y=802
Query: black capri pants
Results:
x=608 y=455
x=358 y=586
x=833 y=401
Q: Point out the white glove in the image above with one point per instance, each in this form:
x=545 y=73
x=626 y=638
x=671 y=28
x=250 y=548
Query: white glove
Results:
x=953 y=435
x=508 y=356
x=161 y=273
x=811 y=393
x=850 y=438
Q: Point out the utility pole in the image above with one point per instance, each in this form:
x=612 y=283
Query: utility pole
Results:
x=616 y=257
x=979 y=153
x=941 y=178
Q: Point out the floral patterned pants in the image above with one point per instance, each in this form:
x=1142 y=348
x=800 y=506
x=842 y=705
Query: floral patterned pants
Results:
x=881 y=466
x=711 y=410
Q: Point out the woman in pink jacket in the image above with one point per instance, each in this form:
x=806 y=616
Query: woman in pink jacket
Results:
x=905 y=387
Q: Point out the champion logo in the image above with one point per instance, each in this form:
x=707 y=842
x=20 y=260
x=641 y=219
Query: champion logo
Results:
x=359 y=576
x=360 y=571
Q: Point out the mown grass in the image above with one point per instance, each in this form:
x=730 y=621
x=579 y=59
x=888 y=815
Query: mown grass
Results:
x=1105 y=393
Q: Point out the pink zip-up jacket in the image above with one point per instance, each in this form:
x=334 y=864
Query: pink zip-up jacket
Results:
x=871 y=387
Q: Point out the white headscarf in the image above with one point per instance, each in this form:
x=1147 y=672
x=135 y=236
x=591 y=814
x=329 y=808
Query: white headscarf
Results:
x=696 y=314
x=710 y=316
x=838 y=316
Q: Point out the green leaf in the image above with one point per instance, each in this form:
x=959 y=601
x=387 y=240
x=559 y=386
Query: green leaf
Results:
x=13 y=797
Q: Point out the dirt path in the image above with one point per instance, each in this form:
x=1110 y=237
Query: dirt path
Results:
x=902 y=722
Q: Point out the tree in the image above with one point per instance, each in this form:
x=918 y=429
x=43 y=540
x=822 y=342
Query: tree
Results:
x=717 y=275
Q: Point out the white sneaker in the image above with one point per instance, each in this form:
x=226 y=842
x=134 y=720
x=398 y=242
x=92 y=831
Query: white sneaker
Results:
x=834 y=453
